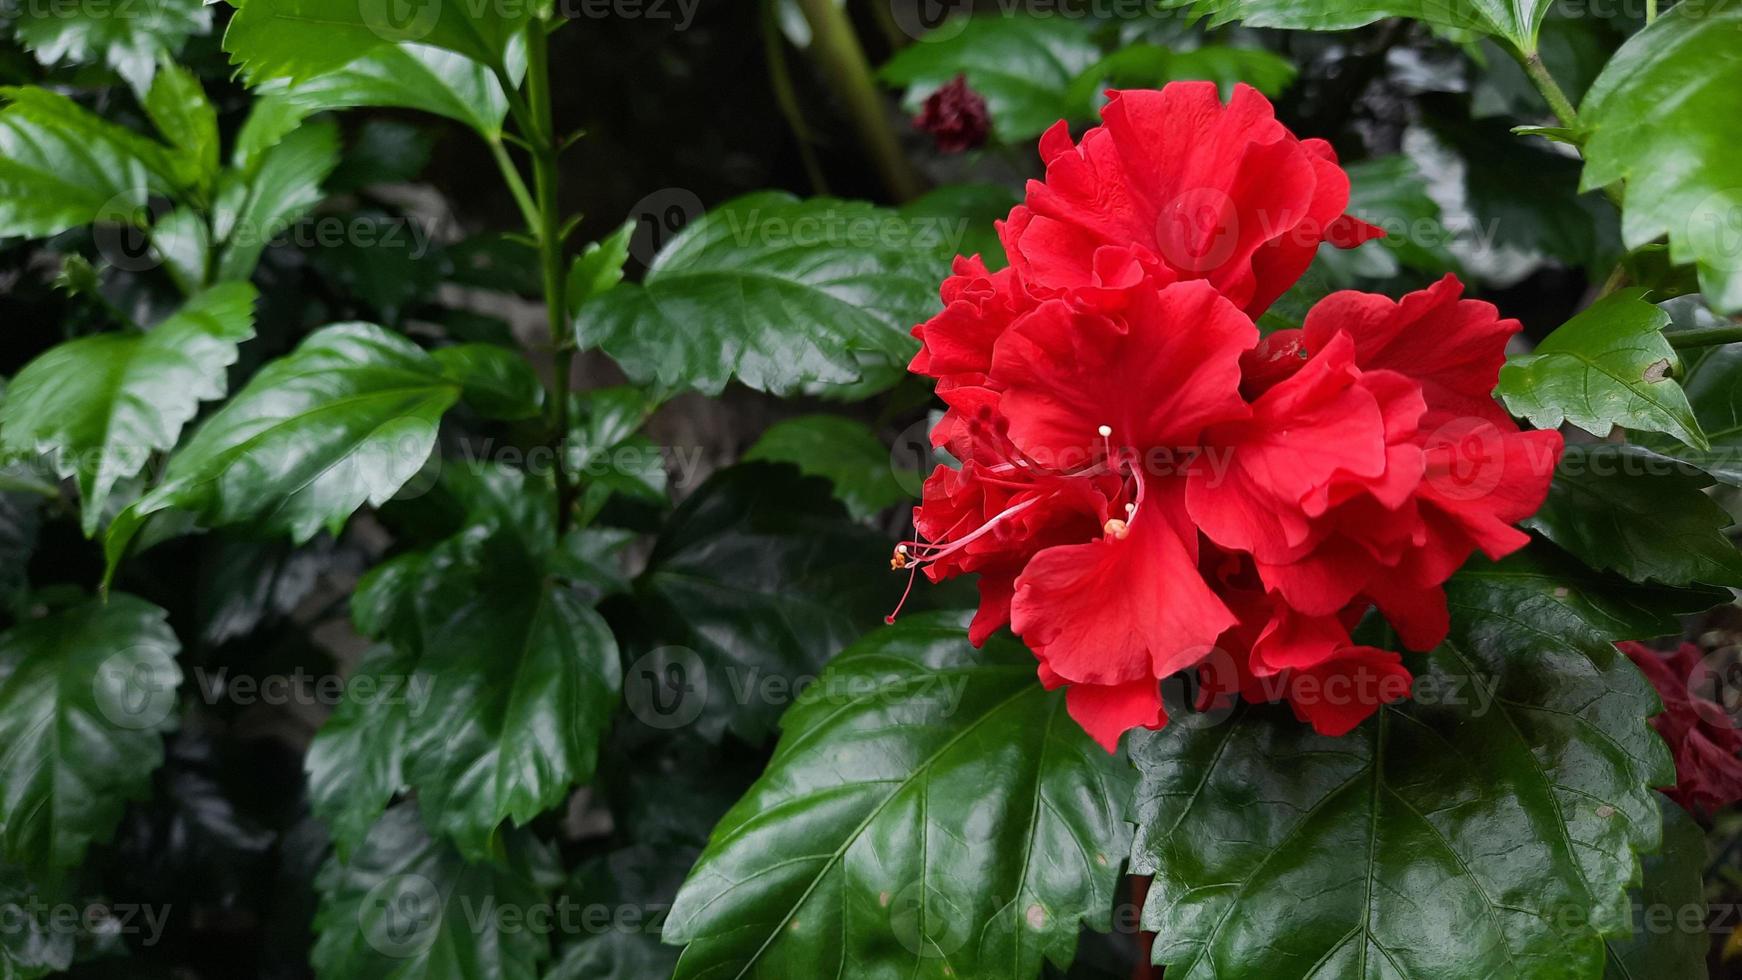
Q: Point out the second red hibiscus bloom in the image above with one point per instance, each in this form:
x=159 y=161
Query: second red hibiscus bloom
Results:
x=1147 y=487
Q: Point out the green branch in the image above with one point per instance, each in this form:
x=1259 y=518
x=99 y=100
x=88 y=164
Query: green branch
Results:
x=1704 y=337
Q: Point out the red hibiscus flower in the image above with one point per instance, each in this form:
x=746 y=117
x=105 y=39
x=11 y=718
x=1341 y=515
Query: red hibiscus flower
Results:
x=1146 y=489
x=1701 y=736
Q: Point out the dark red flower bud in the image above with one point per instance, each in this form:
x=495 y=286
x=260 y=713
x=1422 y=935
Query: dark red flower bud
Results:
x=955 y=116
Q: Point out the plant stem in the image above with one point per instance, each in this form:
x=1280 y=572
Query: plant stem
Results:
x=1704 y=337
x=835 y=48
x=547 y=232
x=780 y=79
x=1551 y=90
x=1650 y=12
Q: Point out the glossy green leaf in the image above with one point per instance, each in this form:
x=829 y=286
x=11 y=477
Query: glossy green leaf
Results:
x=775 y=292
x=84 y=694
x=762 y=575
x=62 y=167
x=182 y=241
x=599 y=267
x=930 y=811
x=1608 y=366
x=407 y=907
x=301 y=39
x=605 y=452
x=841 y=451
x=1665 y=116
x=184 y=116
x=131 y=38
x=1489 y=830
x=497 y=382
x=1670 y=936
x=408 y=76
x=254 y=208
x=638 y=883
x=100 y=406
x=1645 y=517
x=356 y=762
x=1024 y=66
x=342 y=421
x=522 y=679
x=1514 y=20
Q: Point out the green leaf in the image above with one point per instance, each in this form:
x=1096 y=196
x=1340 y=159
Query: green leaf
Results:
x=1670 y=133
x=1516 y=21
x=100 y=405
x=178 y=107
x=1674 y=884
x=639 y=882
x=383 y=151
x=930 y=810
x=406 y=907
x=356 y=762
x=1608 y=366
x=1633 y=512
x=522 y=679
x=62 y=167
x=762 y=575
x=841 y=451
x=84 y=694
x=129 y=38
x=409 y=76
x=599 y=267
x=254 y=208
x=965 y=215
x=300 y=39
x=775 y=292
x=495 y=381
x=604 y=450
x=345 y=419
x=1023 y=65
x=1490 y=830
x=1713 y=383
x=183 y=242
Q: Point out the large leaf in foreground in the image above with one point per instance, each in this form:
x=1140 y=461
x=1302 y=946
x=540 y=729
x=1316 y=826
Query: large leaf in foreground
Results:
x=1024 y=66
x=1634 y=512
x=777 y=293
x=1488 y=828
x=345 y=419
x=763 y=577
x=84 y=694
x=101 y=405
x=931 y=811
x=1608 y=366
x=1666 y=116
x=406 y=907
x=62 y=167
